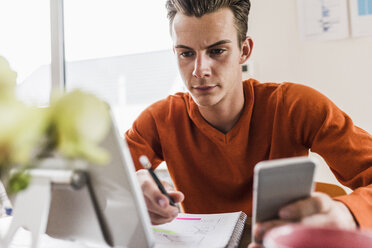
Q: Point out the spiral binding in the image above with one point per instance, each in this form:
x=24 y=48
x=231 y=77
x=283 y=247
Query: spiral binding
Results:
x=237 y=232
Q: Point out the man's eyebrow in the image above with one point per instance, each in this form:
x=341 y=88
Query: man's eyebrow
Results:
x=183 y=46
x=221 y=42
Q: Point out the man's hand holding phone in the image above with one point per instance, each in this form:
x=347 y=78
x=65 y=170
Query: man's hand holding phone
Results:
x=282 y=195
x=317 y=210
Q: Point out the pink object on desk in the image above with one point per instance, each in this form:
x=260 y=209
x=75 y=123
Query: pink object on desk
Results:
x=178 y=218
x=299 y=236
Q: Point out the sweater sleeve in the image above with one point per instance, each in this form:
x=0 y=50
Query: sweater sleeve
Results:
x=346 y=148
x=143 y=139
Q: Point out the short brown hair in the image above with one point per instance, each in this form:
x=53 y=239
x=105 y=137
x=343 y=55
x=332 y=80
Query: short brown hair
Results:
x=198 y=8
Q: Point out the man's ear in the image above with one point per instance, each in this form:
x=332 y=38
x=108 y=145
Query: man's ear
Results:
x=246 y=52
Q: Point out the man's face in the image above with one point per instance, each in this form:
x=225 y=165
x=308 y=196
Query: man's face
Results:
x=209 y=57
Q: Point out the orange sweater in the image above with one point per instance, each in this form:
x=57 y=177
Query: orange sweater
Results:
x=215 y=170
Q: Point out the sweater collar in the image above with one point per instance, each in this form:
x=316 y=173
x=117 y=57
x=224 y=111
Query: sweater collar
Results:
x=242 y=124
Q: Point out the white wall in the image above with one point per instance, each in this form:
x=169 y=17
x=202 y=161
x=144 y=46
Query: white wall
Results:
x=340 y=69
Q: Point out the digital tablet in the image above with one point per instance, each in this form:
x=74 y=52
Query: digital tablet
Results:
x=110 y=209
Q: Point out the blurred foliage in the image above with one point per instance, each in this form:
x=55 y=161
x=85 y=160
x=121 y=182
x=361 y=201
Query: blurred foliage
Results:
x=72 y=127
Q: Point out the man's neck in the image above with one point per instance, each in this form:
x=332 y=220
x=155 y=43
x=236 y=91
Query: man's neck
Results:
x=224 y=115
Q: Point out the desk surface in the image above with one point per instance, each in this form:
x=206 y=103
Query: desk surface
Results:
x=22 y=239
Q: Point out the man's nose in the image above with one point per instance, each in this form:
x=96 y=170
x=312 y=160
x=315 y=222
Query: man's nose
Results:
x=202 y=66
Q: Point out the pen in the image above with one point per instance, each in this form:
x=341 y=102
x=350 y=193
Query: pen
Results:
x=147 y=165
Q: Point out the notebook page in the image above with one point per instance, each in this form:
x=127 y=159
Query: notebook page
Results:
x=196 y=230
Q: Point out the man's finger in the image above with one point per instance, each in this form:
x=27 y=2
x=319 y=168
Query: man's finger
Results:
x=317 y=203
x=260 y=229
x=177 y=196
x=320 y=220
x=152 y=192
x=150 y=189
x=156 y=202
x=339 y=216
x=167 y=186
x=168 y=213
x=255 y=245
x=158 y=219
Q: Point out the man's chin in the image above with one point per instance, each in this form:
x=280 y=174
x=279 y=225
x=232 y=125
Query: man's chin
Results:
x=205 y=101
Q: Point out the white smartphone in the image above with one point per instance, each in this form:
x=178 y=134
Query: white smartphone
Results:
x=278 y=183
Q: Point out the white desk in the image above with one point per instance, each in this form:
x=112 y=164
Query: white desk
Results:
x=22 y=238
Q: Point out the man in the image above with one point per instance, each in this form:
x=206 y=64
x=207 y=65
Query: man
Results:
x=212 y=137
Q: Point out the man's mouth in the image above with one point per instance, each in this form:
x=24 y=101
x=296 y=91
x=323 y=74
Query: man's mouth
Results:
x=204 y=88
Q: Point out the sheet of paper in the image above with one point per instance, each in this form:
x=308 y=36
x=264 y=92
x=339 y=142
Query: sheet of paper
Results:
x=22 y=238
x=322 y=19
x=196 y=230
x=361 y=17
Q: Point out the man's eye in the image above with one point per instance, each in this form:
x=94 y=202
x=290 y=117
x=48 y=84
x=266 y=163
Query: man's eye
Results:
x=216 y=51
x=186 y=54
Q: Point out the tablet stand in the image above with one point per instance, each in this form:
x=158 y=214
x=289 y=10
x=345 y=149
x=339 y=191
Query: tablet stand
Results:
x=38 y=208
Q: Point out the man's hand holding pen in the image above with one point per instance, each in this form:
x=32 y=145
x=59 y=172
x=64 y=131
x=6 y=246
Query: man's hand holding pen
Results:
x=158 y=204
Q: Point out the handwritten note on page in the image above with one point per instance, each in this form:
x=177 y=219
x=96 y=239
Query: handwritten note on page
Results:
x=197 y=230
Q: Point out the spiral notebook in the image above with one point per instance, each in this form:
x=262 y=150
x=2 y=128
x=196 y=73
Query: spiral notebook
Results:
x=201 y=230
